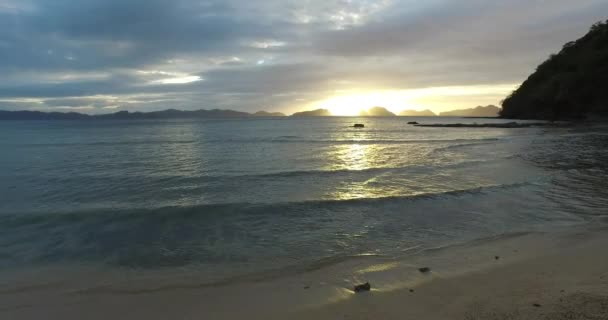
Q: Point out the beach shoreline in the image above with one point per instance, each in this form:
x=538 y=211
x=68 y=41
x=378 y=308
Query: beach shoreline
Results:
x=567 y=278
x=515 y=276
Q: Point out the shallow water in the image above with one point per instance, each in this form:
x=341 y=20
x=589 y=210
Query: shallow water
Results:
x=225 y=198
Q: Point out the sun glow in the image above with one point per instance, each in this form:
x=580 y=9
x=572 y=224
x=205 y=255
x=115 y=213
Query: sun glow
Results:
x=437 y=99
x=353 y=104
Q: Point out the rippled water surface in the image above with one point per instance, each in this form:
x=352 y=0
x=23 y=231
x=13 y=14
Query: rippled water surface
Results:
x=238 y=196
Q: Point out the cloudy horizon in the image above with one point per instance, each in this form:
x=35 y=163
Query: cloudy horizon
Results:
x=96 y=56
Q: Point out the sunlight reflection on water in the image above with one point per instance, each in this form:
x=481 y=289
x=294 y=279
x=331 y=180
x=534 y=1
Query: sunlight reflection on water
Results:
x=240 y=195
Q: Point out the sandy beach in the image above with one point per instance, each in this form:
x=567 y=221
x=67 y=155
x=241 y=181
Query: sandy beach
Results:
x=567 y=281
x=557 y=275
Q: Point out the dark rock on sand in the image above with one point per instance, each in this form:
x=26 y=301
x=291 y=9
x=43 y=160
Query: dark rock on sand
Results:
x=412 y=122
x=496 y=257
x=363 y=287
x=359 y=125
x=537 y=305
x=424 y=269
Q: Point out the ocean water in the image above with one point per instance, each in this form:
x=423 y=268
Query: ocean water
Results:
x=227 y=198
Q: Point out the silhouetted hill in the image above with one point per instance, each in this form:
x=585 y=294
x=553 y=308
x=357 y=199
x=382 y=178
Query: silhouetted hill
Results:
x=313 y=113
x=570 y=84
x=165 y=114
x=268 y=114
x=487 y=111
x=176 y=114
x=376 y=112
x=38 y=115
x=414 y=113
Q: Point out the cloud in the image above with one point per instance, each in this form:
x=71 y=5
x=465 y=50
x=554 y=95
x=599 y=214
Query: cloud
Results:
x=98 y=55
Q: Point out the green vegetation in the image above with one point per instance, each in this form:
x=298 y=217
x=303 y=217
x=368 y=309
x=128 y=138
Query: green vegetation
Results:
x=570 y=84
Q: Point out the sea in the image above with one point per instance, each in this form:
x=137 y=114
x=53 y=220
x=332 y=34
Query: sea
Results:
x=226 y=199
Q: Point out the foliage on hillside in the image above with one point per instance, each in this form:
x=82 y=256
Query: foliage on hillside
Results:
x=570 y=84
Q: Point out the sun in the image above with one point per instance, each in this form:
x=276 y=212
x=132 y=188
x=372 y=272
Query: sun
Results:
x=344 y=106
x=353 y=104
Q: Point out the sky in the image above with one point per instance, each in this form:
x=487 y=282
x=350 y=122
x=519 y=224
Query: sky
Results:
x=100 y=56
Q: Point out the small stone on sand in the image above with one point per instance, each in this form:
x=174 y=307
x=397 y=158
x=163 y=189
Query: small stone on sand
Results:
x=424 y=269
x=363 y=287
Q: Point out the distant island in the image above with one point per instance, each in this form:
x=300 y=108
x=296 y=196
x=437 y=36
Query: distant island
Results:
x=268 y=114
x=38 y=115
x=570 y=84
x=165 y=114
x=487 y=111
x=508 y=125
x=415 y=113
x=376 y=112
x=313 y=113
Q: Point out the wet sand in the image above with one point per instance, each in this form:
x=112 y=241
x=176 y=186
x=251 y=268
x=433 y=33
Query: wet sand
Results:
x=559 y=275
x=565 y=282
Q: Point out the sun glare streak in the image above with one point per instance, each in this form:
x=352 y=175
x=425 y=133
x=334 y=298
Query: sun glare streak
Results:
x=356 y=157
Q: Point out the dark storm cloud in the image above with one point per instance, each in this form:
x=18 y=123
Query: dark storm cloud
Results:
x=110 y=54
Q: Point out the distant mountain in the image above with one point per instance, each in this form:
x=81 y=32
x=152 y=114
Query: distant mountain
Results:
x=414 y=113
x=313 y=113
x=176 y=114
x=268 y=114
x=124 y=115
x=37 y=115
x=570 y=84
x=376 y=112
x=487 y=111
